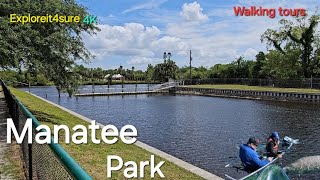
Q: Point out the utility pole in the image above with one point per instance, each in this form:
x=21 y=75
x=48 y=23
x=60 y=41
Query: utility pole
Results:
x=190 y=69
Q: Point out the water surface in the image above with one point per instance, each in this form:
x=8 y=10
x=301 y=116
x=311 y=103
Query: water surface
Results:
x=204 y=131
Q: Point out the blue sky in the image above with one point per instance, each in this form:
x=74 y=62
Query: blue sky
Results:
x=137 y=32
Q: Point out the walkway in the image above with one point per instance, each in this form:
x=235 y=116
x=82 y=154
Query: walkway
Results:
x=3 y=133
x=118 y=93
x=12 y=169
x=160 y=88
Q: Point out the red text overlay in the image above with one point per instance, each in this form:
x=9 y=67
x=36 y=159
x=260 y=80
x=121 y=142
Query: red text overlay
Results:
x=270 y=12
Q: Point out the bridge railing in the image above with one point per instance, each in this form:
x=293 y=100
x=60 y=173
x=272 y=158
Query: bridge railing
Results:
x=126 y=88
x=41 y=161
x=164 y=86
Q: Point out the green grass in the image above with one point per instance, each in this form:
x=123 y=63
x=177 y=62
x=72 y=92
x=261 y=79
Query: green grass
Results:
x=256 y=88
x=92 y=157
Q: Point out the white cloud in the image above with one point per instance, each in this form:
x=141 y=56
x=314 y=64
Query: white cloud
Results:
x=250 y=53
x=143 y=60
x=214 y=40
x=133 y=40
x=149 y=5
x=193 y=12
x=168 y=43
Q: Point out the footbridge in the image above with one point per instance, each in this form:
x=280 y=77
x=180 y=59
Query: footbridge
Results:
x=159 y=88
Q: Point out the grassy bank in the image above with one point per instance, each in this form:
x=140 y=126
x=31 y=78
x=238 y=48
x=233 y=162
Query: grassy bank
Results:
x=92 y=157
x=256 y=88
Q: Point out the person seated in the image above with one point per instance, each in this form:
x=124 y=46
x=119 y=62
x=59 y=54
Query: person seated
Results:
x=272 y=147
x=250 y=158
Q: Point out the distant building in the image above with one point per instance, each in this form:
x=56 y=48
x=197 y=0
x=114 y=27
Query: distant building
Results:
x=117 y=77
x=107 y=76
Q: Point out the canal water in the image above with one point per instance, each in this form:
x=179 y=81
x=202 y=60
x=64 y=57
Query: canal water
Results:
x=204 y=131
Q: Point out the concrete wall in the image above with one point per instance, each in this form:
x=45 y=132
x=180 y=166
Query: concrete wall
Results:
x=248 y=94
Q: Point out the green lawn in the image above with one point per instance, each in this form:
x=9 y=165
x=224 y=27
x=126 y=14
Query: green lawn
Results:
x=256 y=88
x=92 y=157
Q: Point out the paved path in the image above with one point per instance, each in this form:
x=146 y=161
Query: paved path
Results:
x=8 y=170
x=3 y=132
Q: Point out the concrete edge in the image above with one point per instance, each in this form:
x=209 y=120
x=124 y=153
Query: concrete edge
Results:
x=189 y=167
x=306 y=93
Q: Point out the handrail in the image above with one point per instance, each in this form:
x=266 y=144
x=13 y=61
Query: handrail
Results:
x=73 y=167
x=17 y=82
x=163 y=86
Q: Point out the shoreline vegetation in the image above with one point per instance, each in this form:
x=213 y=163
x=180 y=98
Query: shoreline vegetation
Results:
x=92 y=157
x=256 y=88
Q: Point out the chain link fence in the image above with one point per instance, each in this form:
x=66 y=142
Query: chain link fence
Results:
x=41 y=161
x=283 y=83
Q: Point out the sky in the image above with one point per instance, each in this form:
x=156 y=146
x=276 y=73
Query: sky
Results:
x=135 y=33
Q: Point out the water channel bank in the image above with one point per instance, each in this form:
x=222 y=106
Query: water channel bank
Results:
x=247 y=94
x=92 y=157
x=199 y=130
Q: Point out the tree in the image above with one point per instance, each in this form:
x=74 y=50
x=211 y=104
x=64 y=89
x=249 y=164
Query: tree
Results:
x=255 y=69
x=150 y=73
x=43 y=47
x=282 y=66
x=166 y=70
x=300 y=35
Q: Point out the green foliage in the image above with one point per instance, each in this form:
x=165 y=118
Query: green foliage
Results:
x=150 y=73
x=165 y=71
x=47 y=53
x=23 y=78
x=298 y=35
x=256 y=67
x=50 y=48
x=9 y=76
x=282 y=66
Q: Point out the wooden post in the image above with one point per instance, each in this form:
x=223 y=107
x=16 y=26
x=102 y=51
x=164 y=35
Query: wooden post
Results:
x=109 y=84
x=136 y=84
x=122 y=83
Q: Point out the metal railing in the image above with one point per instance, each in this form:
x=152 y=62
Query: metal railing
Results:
x=164 y=86
x=283 y=83
x=41 y=161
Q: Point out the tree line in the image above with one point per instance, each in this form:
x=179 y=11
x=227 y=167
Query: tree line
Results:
x=47 y=53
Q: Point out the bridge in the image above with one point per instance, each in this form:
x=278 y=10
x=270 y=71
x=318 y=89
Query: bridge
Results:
x=160 y=88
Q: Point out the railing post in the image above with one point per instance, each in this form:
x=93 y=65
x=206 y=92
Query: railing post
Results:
x=136 y=85
x=30 y=160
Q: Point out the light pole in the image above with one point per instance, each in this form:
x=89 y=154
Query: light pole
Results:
x=169 y=55
x=190 y=69
x=166 y=56
x=121 y=76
